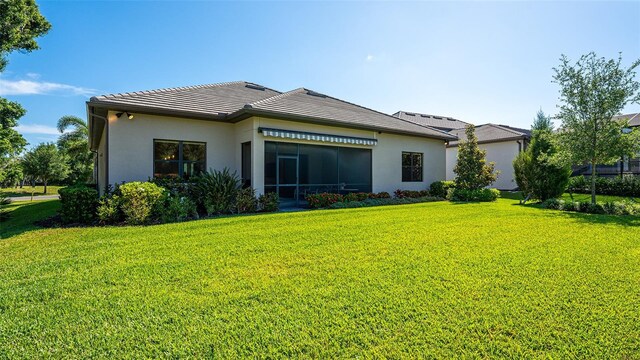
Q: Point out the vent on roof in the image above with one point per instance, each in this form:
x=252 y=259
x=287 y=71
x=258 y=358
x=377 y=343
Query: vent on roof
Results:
x=450 y=119
x=255 y=86
x=313 y=93
x=438 y=117
x=425 y=116
x=410 y=114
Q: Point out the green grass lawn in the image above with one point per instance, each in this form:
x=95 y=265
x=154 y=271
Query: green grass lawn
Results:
x=27 y=190
x=426 y=280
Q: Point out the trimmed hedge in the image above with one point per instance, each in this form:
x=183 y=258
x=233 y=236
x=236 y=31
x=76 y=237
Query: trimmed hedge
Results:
x=401 y=194
x=483 y=195
x=78 y=204
x=323 y=200
x=628 y=186
x=441 y=188
x=610 y=208
x=382 y=202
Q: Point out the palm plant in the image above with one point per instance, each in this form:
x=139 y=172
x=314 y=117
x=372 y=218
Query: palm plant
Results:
x=75 y=144
x=4 y=201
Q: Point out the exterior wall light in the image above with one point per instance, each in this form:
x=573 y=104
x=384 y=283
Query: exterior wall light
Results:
x=129 y=116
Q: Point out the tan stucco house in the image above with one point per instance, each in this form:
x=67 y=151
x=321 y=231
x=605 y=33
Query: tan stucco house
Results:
x=501 y=142
x=292 y=143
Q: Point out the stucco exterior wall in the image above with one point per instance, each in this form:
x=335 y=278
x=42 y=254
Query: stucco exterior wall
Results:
x=102 y=162
x=502 y=153
x=131 y=143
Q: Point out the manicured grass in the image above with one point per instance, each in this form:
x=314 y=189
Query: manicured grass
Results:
x=516 y=195
x=25 y=213
x=426 y=280
x=27 y=190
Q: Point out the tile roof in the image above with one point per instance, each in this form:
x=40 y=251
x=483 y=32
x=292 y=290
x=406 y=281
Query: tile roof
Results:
x=634 y=119
x=308 y=103
x=439 y=122
x=492 y=133
x=232 y=100
x=204 y=100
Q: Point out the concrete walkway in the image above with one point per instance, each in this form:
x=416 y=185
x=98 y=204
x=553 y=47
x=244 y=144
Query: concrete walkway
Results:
x=35 y=198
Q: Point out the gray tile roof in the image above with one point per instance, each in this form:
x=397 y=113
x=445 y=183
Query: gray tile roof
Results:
x=439 y=122
x=310 y=104
x=237 y=100
x=634 y=119
x=204 y=100
x=492 y=133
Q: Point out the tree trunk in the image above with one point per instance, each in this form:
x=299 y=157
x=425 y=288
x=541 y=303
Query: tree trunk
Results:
x=593 y=182
x=45 y=187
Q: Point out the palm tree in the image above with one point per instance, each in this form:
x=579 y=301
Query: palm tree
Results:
x=75 y=144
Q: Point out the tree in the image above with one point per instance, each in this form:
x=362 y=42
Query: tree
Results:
x=536 y=174
x=20 y=24
x=592 y=91
x=472 y=171
x=75 y=145
x=542 y=122
x=45 y=163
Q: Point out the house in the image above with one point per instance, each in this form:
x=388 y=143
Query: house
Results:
x=624 y=166
x=501 y=142
x=292 y=143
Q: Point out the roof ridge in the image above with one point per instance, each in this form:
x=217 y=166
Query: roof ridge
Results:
x=179 y=88
x=507 y=128
x=273 y=98
x=379 y=112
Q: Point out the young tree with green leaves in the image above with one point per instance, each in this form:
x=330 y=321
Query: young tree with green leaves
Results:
x=472 y=170
x=592 y=91
x=45 y=163
x=75 y=145
x=536 y=175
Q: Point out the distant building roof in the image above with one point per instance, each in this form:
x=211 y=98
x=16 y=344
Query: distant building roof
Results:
x=438 y=122
x=488 y=133
x=234 y=101
x=634 y=119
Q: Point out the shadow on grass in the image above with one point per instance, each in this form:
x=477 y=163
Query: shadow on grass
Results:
x=624 y=220
x=24 y=214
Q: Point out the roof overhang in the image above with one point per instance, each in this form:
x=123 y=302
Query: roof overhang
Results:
x=515 y=138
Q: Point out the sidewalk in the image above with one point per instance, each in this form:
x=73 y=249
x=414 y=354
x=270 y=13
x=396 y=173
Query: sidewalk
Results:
x=35 y=198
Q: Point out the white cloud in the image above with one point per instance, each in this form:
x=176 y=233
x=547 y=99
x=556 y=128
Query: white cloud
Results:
x=369 y=57
x=37 y=129
x=31 y=87
x=33 y=75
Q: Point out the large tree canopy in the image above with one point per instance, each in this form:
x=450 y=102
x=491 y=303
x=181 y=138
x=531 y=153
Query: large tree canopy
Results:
x=75 y=145
x=592 y=91
x=472 y=170
x=20 y=24
x=45 y=163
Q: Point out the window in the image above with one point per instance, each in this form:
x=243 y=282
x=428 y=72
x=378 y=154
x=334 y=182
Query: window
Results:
x=178 y=158
x=246 y=164
x=411 y=166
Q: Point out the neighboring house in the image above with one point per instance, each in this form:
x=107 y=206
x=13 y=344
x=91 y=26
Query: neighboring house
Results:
x=625 y=166
x=502 y=143
x=292 y=143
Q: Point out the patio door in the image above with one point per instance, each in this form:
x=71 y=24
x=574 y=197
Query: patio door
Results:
x=287 y=175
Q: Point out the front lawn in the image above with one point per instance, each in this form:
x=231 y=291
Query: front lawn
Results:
x=27 y=190
x=426 y=280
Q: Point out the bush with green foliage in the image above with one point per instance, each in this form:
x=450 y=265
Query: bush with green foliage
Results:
x=268 y=202
x=536 y=176
x=78 y=204
x=400 y=194
x=472 y=170
x=4 y=213
x=628 y=186
x=323 y=200
x=382 y=201
x=217 y=191
x=141 y=202
x=246 y=201
x=178 y=208
x=109 y=210
x=441 y=188
x=482 y=195
x=611 y=208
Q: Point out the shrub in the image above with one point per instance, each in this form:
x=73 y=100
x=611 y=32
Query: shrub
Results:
x=618 y=186
x=246 y=201
x=483 y=195
x=555 y=204
x=217 y=191
x=141 y=202
x=176 y=186
x=380 y=195
x=440 y=188
x=269 y=202
x=399 y=194
x=621 y=208
x=472 y=170
x=178 y=208
x=382 y=201
x=4 y=213
x=108 y=210
x=78 y=204
x=323 y=200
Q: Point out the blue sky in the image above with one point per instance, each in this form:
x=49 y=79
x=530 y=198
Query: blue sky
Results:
x=477 y=61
